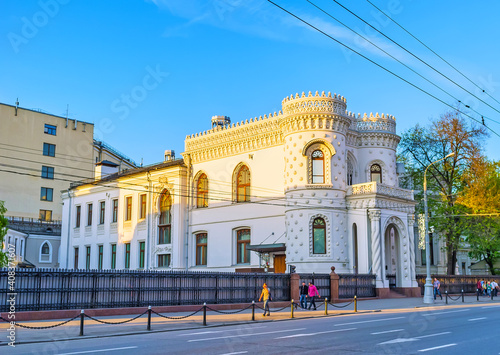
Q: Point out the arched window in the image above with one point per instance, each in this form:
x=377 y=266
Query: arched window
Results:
x=45 y=249
x=318 y=167
x=376 y=173
x=202 y=191
x=350 y=172
x=201 y=249
x=243 y=185
x=164 y=225
x=242 y=242
x=319 y=236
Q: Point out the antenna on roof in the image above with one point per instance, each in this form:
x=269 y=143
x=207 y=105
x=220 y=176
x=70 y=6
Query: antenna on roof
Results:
x=17 y=104
x=67 y=114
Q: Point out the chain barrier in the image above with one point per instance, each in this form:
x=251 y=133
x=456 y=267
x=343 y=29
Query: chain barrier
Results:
x=273 y=310
x=121 y=322
x=454 y=299
x=48 y=327
x=229 y=312
x=344 y=306
x=177 y=318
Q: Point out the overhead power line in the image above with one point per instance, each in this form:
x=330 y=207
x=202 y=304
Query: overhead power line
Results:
x=444 y=60
x=379 y=65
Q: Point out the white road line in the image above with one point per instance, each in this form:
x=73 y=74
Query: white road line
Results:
x=369 y=321
x=474 y=319
x=309 y=334
x=239 y=352
x=221 y=331
x=200 y=333
x=100 y=350
x=437 y=347
x=405 y=340
x=432 y=335
x=246 y=335
x=387 y=331
x=446 y=312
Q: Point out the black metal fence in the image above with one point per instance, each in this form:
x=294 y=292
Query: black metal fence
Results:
x=321 y=281
x=456 y=283
x=359 y=285
x=53 y=289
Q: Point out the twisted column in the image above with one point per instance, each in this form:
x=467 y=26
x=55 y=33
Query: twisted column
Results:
x=411 y=241
x=376 y=253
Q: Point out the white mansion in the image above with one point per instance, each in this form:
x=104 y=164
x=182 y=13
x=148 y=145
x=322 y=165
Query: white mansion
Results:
x=313 y=186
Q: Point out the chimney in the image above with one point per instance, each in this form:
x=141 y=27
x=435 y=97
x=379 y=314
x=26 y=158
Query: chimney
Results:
x=169 y=155
x=220 y=121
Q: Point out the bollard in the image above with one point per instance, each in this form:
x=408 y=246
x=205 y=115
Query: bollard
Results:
x=446 y=293
x=355 y=304
x=491 y=292
x=82 y=317
x=149 y=317
x=292 y=310
x=463 y=299
x=326 y=306
x=253 y=310
x=204 y=313
x=477 y=295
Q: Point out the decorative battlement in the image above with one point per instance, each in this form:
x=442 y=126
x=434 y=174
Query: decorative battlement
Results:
x=324 y=103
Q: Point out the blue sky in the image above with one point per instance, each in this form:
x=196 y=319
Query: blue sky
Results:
x=148 y=73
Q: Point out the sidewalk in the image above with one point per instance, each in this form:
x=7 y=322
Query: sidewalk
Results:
x=93 y=329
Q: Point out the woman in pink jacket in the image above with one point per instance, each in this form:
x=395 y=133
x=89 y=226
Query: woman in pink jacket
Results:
x=313 y=291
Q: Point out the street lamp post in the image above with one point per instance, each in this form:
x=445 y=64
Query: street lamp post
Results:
x=428 y=291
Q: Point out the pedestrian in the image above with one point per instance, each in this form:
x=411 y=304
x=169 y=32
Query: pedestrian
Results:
x=266 y=296
x=485 y=287
x=494 y=288
x=437 y=286
x=479 y=288
x=488 y=288
x=303 y=295
x=313 y=291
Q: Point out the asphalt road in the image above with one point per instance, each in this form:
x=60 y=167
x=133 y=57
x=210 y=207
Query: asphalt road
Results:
x=461 y=330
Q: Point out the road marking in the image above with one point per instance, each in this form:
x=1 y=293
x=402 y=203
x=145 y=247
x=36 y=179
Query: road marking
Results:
x=369 y=321
x=387 y=331
x=246 y=335
x=438 y=347
x=200 y=333
x=404 y=340
x=221 y=331
x=308 y=334
x=100 y=350
x=474 y=319
x=239 y=352
x=446 y=312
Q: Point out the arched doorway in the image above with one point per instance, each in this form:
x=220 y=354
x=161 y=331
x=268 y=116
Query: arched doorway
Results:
x=392 y=272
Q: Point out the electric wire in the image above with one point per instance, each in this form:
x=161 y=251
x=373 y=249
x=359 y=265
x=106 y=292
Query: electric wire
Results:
x=440 y=57
x=380 y=66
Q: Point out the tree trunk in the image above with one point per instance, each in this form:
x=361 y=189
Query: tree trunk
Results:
x=489 y=260
x=451 y=255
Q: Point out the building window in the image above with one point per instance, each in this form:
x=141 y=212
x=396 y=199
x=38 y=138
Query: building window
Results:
x=46 y=194
x=78 y=216
x=243 y=185
x=45 y=249
x=102 y=211
x=318 y=167
x=202 y=191
x=142 y=206
x=128 y=208
x=89 y=214
x=49 y=149
x=99 y=260
x=163 y=260
x=127 y=255
x=87 y=258
x=115 y=210
x=350 y=172
x=319 y=236
x=201 y=249
x=242 y=243
x=376 y=173
x=75 y=262
x=45 y=215
x=113 y=256
x=142 y=254
x=164 y=226
x=50 y=129
x=47 y=172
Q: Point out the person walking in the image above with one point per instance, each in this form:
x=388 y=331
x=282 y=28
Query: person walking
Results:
x=479 y=288
x=266 y=296
x=494 y=288
x=488 y=288
x=313 y=291
x=303 y=295
x=437 y=286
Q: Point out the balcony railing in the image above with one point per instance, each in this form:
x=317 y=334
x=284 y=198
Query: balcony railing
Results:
x=381 y=189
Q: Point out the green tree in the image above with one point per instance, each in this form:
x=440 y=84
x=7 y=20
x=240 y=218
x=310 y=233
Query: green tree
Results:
x=421 y=146
x=3 y=232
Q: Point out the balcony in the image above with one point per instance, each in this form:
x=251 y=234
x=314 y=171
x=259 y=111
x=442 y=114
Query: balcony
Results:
x=373 y=187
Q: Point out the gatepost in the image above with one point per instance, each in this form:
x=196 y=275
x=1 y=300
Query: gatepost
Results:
x=334 y=285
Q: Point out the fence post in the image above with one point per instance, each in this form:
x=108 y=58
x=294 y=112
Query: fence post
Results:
x=204 y=313
x=291 y=310
x=149 y=317
x=463 y=298
x=355 y=304
x=326 y=306
x=253 y=310
x=82 y=318
x=334 y=285
x=491 y=292
x=477 y=295
x=446 y=294
x=294 y=286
